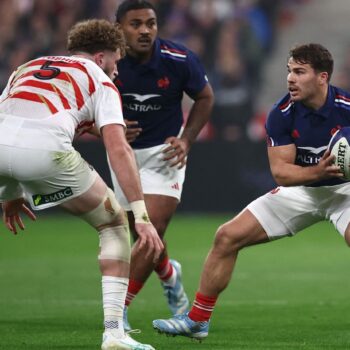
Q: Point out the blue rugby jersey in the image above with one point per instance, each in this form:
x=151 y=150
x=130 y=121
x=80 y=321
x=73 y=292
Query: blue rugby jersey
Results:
x=152 y=92
x=292 y=122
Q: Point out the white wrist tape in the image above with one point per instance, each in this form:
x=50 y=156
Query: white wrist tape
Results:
x=140 y=212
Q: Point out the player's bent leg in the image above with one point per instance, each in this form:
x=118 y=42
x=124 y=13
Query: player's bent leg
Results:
x=114 y=258
x=100 y=209
x=168 y=270
x=241 y=231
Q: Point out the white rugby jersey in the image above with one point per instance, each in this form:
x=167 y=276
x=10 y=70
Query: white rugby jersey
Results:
x=50 y=99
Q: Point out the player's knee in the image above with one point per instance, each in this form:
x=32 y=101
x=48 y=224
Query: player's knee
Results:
x=115 y=243
x=107 y=213
x=227 y=239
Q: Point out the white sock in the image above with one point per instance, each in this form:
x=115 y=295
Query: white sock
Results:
x=114 y=292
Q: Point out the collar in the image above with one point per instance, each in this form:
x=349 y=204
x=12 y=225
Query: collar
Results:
x=151 y=64
x=324 y=111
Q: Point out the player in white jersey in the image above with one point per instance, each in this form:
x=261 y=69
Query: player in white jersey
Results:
x=45 y=103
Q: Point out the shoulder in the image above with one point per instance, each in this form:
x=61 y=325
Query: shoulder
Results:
x=184 y=62
x=169 y=50
x=339 y=91
x=282 y=107
x=341 y=97
x=279 y=122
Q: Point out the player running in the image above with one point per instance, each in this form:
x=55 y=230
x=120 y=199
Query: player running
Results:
x=299 y=128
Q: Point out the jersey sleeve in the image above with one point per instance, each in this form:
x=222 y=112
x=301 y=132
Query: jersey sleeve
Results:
x=278 y=128
x=108 y=106
x=196 y=77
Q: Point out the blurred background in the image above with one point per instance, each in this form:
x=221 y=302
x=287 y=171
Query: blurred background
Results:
x=244 y=46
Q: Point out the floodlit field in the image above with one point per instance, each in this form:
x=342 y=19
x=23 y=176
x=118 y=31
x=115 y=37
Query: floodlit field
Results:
x=289 y=294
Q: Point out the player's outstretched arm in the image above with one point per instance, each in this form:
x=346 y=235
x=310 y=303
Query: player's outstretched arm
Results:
x=11 y=214
x=122 y=161
x=125 y=168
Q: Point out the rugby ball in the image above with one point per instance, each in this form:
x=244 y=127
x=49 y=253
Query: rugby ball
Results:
x=339 y=145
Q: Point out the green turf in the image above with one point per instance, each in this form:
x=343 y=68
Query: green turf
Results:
x=289 y=294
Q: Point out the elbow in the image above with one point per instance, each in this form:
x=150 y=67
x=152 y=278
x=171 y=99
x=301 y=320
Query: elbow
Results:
x=281 y=182
x=280 y=179
x=206 y=98
x=211 y=101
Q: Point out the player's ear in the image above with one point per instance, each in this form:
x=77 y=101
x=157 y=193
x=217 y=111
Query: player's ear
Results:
x=99 y=58
x=323 y=77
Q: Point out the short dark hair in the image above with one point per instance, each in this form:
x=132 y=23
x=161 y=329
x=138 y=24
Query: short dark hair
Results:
x=316 y=55
x=95 y=35
x=129 y=5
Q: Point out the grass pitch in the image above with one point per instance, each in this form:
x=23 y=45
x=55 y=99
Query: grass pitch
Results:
x=289 y=294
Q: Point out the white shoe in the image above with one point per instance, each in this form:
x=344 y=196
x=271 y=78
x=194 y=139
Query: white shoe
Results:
x=111 y=342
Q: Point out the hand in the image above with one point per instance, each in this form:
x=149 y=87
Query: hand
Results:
x=327 y=168
x=176 y=151
x=11 y=210
x=149 y=239
x=132 y=130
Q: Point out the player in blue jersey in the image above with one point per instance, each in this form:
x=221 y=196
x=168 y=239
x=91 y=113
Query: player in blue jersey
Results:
x=299 y=128
x=152 y=79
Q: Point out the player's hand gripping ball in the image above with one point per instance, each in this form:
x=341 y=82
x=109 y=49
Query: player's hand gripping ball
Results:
x=339 y=145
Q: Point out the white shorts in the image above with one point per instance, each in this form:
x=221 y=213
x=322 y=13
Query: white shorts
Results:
x=45 y=178
x=157 y=177
x=287 y=210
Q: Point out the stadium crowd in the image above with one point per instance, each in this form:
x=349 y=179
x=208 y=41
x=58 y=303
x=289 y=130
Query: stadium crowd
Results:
x=233 y=38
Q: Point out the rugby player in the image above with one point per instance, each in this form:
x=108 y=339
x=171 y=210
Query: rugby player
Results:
x=299 y=128
x=45 y=103
x=152 y=79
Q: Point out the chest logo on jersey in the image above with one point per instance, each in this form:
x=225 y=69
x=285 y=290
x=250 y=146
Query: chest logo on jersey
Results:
x=310 y=155
x=142 y=98
x=39 y=199
x=163 y=83
x=140 y=104
x=295 y=134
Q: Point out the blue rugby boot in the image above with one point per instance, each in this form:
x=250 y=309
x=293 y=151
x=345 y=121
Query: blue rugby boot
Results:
x=177 y=299
x=182 y=325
